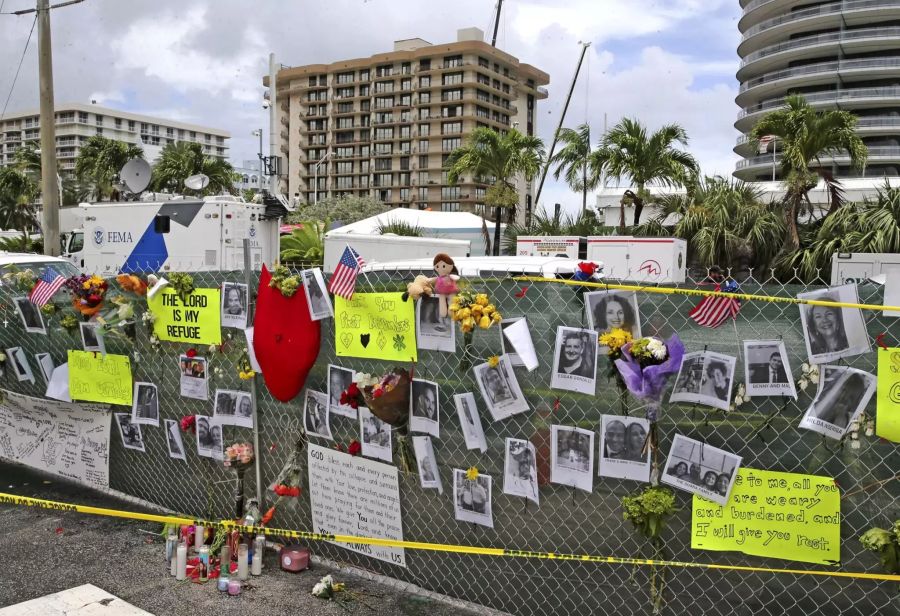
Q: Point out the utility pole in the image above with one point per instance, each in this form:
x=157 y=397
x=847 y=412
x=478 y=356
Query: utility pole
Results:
x=49 y=187
x=274 y=133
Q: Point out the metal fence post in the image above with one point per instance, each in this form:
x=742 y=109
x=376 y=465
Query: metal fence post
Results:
x=248 y=279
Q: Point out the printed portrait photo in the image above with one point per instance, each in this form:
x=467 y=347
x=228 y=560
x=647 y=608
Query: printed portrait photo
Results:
x=45 y=363
x=575 y=360
x=193 y=380
x=31 y=316
x=500 y=389
x=832 y=333
x=472 y=498
x=624 y=451
x=339 y=380
x=424 y=409
x=315 y=414
x=429 y=475
x=520 y=470
x=766 y=369
x=705 y=378
x=375 y=436
x=130 y=432
x=842 y=395
x=173 y=439
x=209 y=438
x=470 y=421
x=572 y=457
x=234 y=305
x=91 y=340
x=607 y=310
x=145 y=405
x=434 y=332
x=316 y=294
x=701 y=469
x=233 y=408
x=18 y=361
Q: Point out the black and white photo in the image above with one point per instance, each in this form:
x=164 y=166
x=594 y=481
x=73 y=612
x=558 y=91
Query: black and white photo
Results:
x=31 y=316
x=842 y=395
x=193 y=377
x=511 y=330
x=624 y=451
x=316 y=294
x=130 y=432
x=339 y=380
x=766 y=369
x=500 y=389
x=19 y=363
x=145 y=404
x=234 y=305
x=520 y=470
x=233 y=408
x=470 y=421
x=434 y=332
x=472 y=498
x=91 y=338
x=575 y=360
x=315 y=414
x=45 y=363
x=705 y=378
x=173 y=439
x=375 y=436
x=572 y=457
x=424 y=408
x=209 y=438
x=832 y=333
x=426 y=462
x=701 y=469
x=608 y=310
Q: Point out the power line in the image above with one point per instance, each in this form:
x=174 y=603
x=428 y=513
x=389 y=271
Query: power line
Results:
x=22 y=59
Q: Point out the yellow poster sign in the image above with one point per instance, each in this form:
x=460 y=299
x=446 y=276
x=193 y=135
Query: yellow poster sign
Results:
x=887 y=413
x=773 y=514
x=94 y=377
x=375 y=326
x=195 y=321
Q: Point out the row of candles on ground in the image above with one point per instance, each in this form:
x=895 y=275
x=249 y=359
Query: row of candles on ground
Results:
x=249 y=558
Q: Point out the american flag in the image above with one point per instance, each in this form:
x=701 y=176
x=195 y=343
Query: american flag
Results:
x=46 y=286
x=343 y=281
x=714 y=310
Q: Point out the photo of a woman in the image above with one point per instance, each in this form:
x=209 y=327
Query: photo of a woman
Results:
x=844 y=392
x=722 y=483
x=825 y=326
x=635 y=437
x=832 y=332
x=608 y=310
x=715 y=380
x=575 y=360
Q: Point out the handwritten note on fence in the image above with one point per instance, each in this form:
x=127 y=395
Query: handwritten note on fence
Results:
x=887 y=414
x=70 y=440
x=375 y=326
x=196 y=320
x=355 y=496
x=100 y=378
x=779 y=515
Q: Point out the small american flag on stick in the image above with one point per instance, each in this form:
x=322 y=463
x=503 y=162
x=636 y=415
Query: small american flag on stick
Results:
x=343 y=281
x=713 y=310
x=48 y=284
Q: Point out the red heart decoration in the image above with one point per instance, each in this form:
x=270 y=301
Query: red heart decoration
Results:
x=285 y=339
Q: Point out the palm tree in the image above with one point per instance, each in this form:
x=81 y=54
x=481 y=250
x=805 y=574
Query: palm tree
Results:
x=17 y=195
x=178 y=161
x=626 y=150
x=305 y=246
x=573 y=158
x=488 y=154
x=805 y=135
x=100 y=160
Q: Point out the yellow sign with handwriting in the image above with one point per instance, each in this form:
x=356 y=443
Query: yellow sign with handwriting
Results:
x=773 y=514
x=887 y=413
x=375 y=326
x=195 y=320
x=94 y=377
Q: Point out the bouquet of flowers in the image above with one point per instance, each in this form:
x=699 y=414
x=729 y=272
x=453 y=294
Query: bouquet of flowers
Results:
x=88 y=293
x=238 y=455
x=470 y=309
x=614 y=340
x=387 y=396
x=646 y=365
x=326 y=587
x=132 y=284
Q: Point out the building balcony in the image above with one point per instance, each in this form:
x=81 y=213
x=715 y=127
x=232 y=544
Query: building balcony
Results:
x=866 y=126
x=749 y=168
x=856 y=98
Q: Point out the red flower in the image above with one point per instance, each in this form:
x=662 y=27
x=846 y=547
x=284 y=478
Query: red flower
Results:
x=189 y=422
x=354 y=449
x=192 y=353
x=267 y=517
x=377 y=393
x=295 y=491
x=351 y=396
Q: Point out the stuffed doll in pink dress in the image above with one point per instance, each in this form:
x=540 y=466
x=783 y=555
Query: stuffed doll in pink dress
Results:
x=445 y=283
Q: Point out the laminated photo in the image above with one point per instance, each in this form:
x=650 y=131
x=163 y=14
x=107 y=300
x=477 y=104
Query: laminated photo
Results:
x=424 y=410
x=607 y=310
x=234 y=305
x=705 y=378
x=339 y=380
x=520 y=470
x=31 y=316
x=472 y=498
x=766 y=369
x=515 y=332
x=45 y=363
x=209 y=438
x=233 y=408
x=842 y=395
x=375 y=436
x=832 y=333
x=470 y=421
x=701 y=469
x=91 y=338
x=316 y=294
x=434 y=332
x=315 y=414
x=173 y=439
x=19 y=363
x=575 y=360
x=194 y=382
x=130 y=432
x=426 y=462
x=624 y=451
x=572 y=457
x=500 y=389
x=145 y=405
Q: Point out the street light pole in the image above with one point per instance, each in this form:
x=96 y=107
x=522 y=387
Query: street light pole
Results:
x=49 y=195
x=259 y=133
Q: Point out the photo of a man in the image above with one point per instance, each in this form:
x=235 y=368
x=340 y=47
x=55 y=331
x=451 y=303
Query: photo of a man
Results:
x=173 y=439
x=315 y=413
x=316 y=294
x=770 y=372
x=429 y=477
x=424 y=410
x=472 y=498
x=434 y=332
x=766 y=368
x=234 y=305
x=500 y=389
x=145 y=409
x=130 y=432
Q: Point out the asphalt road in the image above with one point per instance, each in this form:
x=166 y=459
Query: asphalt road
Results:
x=48 y=551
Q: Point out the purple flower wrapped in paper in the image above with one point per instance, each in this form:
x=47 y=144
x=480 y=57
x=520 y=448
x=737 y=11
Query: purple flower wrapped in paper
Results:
x=646 y=365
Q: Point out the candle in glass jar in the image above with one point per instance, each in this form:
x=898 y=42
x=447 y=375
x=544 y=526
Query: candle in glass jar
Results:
x=203 y=565
x=173 y=565
x=199 y=537
x=256 y=565
x=170 y=545
x=223 y=583
x=225 y=561
x=234 y=587
x=243 y=561
x=181 y=565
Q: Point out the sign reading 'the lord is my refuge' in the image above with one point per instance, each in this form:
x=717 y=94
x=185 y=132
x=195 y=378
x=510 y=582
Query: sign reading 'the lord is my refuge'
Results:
x=196 y=319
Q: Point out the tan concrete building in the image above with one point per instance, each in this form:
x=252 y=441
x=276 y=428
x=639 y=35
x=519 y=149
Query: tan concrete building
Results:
x=76 y=123
x=384 y=126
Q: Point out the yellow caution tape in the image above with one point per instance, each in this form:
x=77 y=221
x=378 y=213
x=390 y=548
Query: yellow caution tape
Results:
x=12 y=499
x=674 y=291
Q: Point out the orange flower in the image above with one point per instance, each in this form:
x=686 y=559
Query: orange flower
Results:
x=268 y=516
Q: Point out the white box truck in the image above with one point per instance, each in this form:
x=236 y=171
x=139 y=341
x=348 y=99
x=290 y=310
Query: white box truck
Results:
x=640 y=259
x=186 y=235
x=858 y=267
x=570 y=246
x=375 y=248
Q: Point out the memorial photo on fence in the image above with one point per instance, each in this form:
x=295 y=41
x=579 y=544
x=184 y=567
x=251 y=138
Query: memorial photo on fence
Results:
x=234 y=305
x=130 y=432
x=572 y=457
x=624 y=451
x=520 y=470
x=209 y=438
x=470 y=421
x=575 y=360
x=173 y=439
x=375 y=436
x=505 y=345
x=434 y=332
x=91 y=340
x=766 y=369
x=424 y=410
x=705 y=378
x=426 y=462
x=19 y=363
x=831 y=332
x=145 y=408
x=472 y=498
x=607 y=310
x=500 y=389
x=193 y=381
x=31 y=316
x=842 y=395
x=339 y=380
x=45 y=364
x=701 y=469
x=315 y=414
x=316 y=294
x=233 y=408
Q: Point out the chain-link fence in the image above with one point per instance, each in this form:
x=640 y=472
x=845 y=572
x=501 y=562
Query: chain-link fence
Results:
x=567 y=521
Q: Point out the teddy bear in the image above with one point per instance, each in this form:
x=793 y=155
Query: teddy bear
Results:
x=422 y=285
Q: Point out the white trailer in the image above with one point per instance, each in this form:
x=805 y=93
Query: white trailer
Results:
x=859 y=267
x=374 y=248
x=186 y=235
x=570 y=246
x=640 y=259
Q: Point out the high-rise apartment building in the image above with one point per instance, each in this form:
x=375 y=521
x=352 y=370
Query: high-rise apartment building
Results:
x=384 y=126
x=76 y=123
x=838 y=54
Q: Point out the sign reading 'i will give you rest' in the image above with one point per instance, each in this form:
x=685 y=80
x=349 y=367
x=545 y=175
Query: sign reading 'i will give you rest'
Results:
x=195 y=319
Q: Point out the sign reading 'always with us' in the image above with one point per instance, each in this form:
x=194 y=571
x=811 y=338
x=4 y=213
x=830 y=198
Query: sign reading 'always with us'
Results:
x=95 y=377
x=375 y=326
x=196 y=319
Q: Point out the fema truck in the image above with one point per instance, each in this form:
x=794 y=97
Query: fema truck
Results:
x=181 y=234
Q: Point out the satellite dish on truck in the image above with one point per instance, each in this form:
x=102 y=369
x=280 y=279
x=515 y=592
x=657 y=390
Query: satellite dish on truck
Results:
x=135 y=175
x=197 y=182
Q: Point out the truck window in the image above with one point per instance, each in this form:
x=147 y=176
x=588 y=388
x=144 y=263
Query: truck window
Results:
x=161 y=224
x=77 y=243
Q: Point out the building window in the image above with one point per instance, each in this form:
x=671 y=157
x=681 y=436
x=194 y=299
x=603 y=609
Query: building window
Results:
x=450 y=144
x=118 y=123
x=405 y=147
x=384 y=133
x=385 y=70
x=450 y=192
x=345 y=77
x=424 y=130
x=345 y=123
x=343 y=93
x=404 y=164
x=364 y=90
x=451 y=111
x=451 y=128
x=382 y=149
x=425 y=98
x=425 y=64
x=450 y=206
x=423 y=145
x=170 y=132
x=384 y=86
x=406 y=68
x=424 y=114
x=425 y=82
x=483 y=62
x=345 y=107
x=344 y=167
x=452 y=61
x=344 y=182
x=404 y=194
x=343 y=152
x=365 y=105
x=364 y=75
x=382 y=179
x=405 y=100
x=479 y=193
x=313 y=80
x=384 y=117
x=423 y=161
x=452 y=95
x=82 y=117
x=451 y=79
x=481 y=112
x=482 y=79
x=405 y=132
x=406 y=84
x=384 y=102
x=383 y=164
